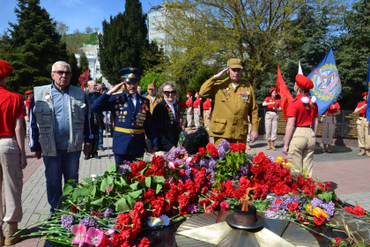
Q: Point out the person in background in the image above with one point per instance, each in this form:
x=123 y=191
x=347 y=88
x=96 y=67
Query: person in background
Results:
x=131 y=114
x=29 y=95
x=301 y=128
x=328 y=126
x=196 y=110
x=234 y=101
x=363 y=136
x=96 y=119
x=166 y=118
x=152 y=97
x=140 y=91
x=12 y=157
x=189 y=110
x=271 y=118
x=100 y=89
x=59 y=126
x=207 y=113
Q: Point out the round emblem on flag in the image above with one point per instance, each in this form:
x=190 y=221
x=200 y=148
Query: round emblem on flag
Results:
x=326 y=82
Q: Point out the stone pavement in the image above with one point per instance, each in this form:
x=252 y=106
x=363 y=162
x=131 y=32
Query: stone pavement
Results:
x=348 y=173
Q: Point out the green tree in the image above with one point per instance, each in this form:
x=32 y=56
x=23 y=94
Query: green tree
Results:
x=354 y=52
x=84 y=63
x=123 y=42
x=212 y=31
x=32 y=46
x=76 y=71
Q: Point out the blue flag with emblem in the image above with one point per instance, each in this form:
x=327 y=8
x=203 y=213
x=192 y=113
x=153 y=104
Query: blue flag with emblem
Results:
x=368 y=90
x=327 y=85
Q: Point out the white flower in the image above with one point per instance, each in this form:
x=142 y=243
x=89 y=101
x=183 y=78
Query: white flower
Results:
x=313 y=99
x=163 y=220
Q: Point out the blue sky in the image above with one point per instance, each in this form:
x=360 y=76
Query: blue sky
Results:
x=77 y=14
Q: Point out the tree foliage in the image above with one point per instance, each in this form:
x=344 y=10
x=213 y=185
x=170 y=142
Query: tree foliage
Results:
x=124 y=42
x=32 y=46
x=209 y=32
x=354 y=50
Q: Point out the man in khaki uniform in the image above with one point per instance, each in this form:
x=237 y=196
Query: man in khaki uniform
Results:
x=234 y=101
x=363 y=135
x=153 y=98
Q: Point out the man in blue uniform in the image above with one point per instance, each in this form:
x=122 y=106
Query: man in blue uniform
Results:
x=131 y=114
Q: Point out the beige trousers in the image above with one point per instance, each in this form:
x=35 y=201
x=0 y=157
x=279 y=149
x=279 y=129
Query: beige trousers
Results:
x=207 y=121
x=11 y=176
x=189 y=116
x=196 y=117
x=328 y=128
x=249 y=131
x=300 y=152
x=271 y=124
x=363 y=132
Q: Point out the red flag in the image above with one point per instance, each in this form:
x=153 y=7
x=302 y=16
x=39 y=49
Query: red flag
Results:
x=84 y=78
x=155 y=86
x=283 y=91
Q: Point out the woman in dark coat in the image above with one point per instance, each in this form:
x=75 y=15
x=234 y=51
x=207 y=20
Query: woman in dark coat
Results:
x=166 y=117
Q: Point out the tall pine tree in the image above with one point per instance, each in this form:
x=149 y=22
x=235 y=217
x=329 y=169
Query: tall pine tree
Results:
x=32 y=46
x=123 y=42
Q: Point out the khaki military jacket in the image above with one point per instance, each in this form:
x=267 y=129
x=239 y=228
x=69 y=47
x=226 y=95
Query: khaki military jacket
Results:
x=231 y=108
x=153 y=103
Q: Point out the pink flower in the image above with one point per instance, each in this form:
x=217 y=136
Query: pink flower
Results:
x=80 y=232
x=109 y=189
x=225 y=206
x=189 y=160
x=94 y=236
x=182 y=172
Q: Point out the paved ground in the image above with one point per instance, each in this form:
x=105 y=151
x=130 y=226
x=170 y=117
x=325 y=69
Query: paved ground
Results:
x=348 y=173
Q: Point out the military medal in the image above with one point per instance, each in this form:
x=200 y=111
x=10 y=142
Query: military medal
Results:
x=226 y=92
x=125 y=113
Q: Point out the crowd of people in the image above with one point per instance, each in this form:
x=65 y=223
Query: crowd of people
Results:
x=62 y=120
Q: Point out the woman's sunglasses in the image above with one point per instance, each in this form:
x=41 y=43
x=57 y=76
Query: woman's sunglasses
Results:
x=167 y=93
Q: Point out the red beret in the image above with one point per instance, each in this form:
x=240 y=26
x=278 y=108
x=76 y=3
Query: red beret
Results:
x=364 y=94
x=5 y=68
x=274 y=89
x=189 y=94
x=197 y=93
x=303 y=82
x=28 y=92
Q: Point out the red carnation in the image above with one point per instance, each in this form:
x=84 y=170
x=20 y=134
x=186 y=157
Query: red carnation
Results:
x=359 y=211
x=259 y=158
x=244 y=183
x=239 y=193
x=144 y=243
x=210 y=146
x=319 y=221
x=292 y=206
x=225 y=206
x=202 y=151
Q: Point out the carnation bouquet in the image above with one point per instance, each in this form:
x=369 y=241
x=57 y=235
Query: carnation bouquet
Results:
x=112 y=209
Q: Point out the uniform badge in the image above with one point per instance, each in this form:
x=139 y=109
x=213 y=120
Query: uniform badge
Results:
x=125 y=113
x=48 y=97
x=125 y=105
x=116 y=106
x=119 y=120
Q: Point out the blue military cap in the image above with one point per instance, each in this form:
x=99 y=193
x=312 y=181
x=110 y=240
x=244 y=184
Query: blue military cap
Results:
x=130 y=74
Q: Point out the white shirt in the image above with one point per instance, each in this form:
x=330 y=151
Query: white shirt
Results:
x=133 y=99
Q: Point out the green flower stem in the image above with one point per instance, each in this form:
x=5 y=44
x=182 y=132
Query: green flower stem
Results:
x=312 y=230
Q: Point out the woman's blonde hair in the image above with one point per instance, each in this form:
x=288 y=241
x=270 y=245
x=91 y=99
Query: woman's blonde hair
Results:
x=165 y=84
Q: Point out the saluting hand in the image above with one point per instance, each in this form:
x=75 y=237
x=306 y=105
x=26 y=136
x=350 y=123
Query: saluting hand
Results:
x=115 y=88
x=219 y=75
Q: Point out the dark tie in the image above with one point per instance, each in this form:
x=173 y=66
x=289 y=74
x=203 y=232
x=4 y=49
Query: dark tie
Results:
x=131 y=104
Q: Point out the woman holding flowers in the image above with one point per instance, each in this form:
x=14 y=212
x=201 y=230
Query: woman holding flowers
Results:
x=301 y=128
x=166 y=118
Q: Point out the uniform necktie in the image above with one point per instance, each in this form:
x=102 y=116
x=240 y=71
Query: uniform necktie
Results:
x=131 y=104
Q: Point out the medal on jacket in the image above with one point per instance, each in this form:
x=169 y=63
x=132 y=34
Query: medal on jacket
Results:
x=226 y=92
x=48 y=97
x=170 y=114
x=244 y=95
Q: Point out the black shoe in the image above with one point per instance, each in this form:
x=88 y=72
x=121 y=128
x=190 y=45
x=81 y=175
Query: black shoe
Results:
x=87 y=157
x=102 y=149
x=96 y=156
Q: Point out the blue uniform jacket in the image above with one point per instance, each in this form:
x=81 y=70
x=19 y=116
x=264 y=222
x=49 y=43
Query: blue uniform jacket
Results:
x=124 y=143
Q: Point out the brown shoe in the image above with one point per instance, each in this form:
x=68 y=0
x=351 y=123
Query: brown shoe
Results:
x=324 y=148
x=368 y=153
x=272 y=145
x=329 y=149
x=247 y=146
x=362 y=152
x=268 y=145
x=11 y=237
